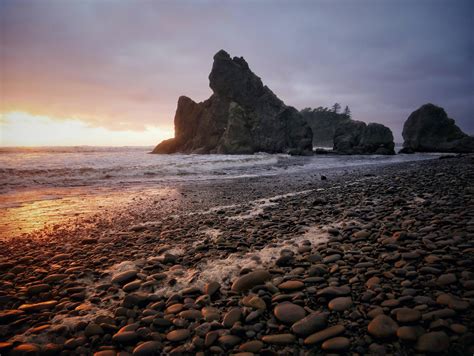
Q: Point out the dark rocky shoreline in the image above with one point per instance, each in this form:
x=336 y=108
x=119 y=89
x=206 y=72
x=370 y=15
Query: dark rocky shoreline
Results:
x=373 y=261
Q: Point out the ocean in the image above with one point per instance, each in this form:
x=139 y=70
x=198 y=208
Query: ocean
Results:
x=39 y=186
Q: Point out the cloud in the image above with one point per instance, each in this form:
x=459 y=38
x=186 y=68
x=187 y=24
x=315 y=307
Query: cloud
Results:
x=122 y=65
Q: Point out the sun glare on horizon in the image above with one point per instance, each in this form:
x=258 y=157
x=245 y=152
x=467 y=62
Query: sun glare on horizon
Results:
x=27 y=130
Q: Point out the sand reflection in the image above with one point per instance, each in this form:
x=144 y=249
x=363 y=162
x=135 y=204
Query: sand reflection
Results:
x=50 y=208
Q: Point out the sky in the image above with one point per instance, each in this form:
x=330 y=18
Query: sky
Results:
x=109 y=72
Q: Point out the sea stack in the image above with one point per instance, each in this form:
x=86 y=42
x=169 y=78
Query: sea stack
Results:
x=429 y=129
x=357 y=137
x=242 y=116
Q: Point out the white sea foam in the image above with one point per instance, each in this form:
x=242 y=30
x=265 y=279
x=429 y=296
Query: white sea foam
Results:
x=226 y=269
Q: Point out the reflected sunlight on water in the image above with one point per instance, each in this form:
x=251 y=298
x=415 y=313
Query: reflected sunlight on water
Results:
x=50 y=208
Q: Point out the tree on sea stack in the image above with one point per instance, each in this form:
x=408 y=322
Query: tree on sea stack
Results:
x=336 y=107
x=347 y=112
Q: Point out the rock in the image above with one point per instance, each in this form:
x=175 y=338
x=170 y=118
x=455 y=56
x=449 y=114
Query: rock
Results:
x=279 y=339
x=446 y=279
x=429 y=129
x=336 y=344
x=50 y=304
x=251 y=346
x=340 y=304
x=436 y=341
x=289 y=313
x=125 y=337
x=407 y=333
x=26 y=349
x=212 y=288
x=407 y=315
x=7 y=316
x=291 y=285
x=148 y=348
x=93 y=329
x=309 y=324
x=334 y=291
x=124 y=277
x=382 y=326
x=250 y=280
x=242 y=116
x=231 y=317
x=38 y=288
x=255 y=302
x=324 y=334
x=355 y=137
x=323 y=123
x=178 y=335
x=228 y=341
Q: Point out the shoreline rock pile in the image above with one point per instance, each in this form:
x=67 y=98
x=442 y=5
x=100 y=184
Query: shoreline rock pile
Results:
x=396 y=276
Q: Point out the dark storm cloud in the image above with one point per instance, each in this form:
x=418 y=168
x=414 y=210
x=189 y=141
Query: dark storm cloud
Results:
x=123 y=64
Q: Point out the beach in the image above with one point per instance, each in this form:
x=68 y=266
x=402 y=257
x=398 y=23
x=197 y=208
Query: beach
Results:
x=357 y=259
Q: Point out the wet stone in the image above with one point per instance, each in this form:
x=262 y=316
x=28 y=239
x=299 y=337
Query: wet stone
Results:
x=310 y=324
x=336 y=344
x=231 y=317
x=148 y=348
x=291 y=285
x=250 y=280
x=279 y=339
x=446 y=279
x=124 y=277
x=436 y=341
x=407 y=315
x=289 y=313
x=324 y=334
x=178 y=335
x=334 y=291
x=340 y=304
x=382 y=326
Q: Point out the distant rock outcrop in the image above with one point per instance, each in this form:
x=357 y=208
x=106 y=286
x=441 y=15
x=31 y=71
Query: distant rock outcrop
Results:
x=356 y=137
x=324 y=124
x=242 y=116
x=429 y=129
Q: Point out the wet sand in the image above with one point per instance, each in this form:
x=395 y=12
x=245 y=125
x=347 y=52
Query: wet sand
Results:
x=370 y=260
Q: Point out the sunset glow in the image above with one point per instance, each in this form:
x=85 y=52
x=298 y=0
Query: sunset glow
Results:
x=23 y=129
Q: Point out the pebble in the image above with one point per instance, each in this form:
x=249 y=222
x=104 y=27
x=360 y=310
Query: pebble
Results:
x=446 y=279
x=123 y=277
x=324 y=334
x=291 y=285
x=148 y=348
x=310 y=324
x=382 y=326
x=334 y=291
x=250 y=280
x=178 y=335
x=340 y=304
x=336 y=344
x=251 y=346
x=289 y=313
x=231 y=317
x=279 y=339
x=436 y=341
x=407 y=315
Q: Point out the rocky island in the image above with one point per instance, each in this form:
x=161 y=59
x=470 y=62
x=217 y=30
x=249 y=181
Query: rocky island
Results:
x=347 y=136
x=242 y=116
x=429 y=129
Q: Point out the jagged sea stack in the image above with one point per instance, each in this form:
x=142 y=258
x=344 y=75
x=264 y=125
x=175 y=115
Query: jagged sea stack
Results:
x=242 y=116
x=429 y=129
